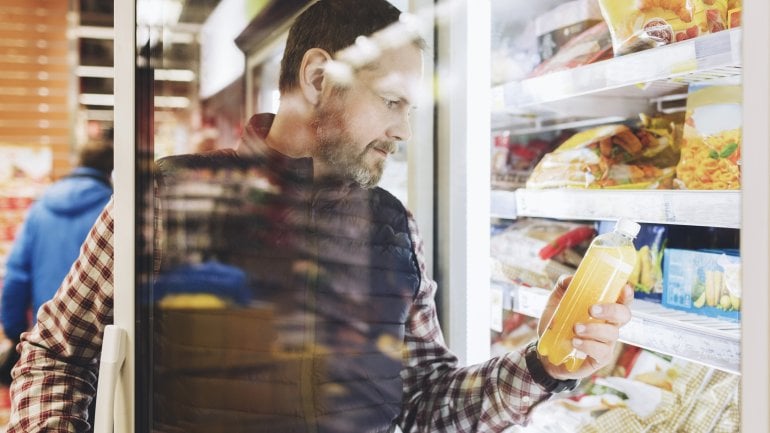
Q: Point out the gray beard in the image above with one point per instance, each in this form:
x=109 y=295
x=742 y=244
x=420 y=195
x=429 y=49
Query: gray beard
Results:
x=349 y=166
x=337 y=151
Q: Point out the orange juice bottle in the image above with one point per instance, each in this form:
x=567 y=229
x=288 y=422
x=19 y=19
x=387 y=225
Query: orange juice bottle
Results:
x=599 y=278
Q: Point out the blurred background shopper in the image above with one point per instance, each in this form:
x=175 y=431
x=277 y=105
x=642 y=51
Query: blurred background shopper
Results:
x=49 y=240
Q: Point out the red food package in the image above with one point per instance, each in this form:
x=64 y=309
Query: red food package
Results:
x=590 y=46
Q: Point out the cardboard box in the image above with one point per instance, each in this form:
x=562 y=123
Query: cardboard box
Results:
x=704 y=282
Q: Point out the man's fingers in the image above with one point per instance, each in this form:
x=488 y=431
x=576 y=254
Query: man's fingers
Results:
x=563 y=282
x=626 y=295
x=617 y=314
x=601 y=332
x=601 y=352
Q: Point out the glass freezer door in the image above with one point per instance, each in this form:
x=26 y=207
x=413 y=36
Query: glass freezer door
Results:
x=225 y=319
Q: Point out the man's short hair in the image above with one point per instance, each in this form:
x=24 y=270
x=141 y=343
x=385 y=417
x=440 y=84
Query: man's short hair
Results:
x=332 y=25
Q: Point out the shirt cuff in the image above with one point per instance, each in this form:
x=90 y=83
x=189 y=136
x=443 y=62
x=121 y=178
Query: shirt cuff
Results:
x=520 y=392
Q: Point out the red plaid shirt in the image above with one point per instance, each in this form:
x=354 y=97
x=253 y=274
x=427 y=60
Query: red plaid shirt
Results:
x=55 y=379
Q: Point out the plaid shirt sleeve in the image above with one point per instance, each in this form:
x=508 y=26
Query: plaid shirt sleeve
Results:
x=55 y=378
x=439 y=396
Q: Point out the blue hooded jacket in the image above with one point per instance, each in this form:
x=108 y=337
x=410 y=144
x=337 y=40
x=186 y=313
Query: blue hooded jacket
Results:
x=48 y=243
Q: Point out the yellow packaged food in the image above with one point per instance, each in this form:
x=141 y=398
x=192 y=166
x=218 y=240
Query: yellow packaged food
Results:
x=611 y=156
x=637 y=25
x=734 y=8
x=711 y=140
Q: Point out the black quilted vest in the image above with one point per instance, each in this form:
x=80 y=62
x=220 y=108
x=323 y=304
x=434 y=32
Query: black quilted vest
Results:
x=318 y=282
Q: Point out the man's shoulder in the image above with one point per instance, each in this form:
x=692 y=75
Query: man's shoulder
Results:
x=180 y=166
x=196 y=160
x=384 y=197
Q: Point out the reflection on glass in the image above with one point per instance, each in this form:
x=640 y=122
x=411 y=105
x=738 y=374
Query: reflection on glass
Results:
x=280 y=301
x=284 y=276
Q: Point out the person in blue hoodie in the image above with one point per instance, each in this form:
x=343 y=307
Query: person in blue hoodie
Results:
x=49 y=240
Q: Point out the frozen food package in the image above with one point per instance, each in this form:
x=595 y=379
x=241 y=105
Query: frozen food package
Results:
x=515 y=251
x=556 y=27
x=609 y=156
x=711 y=403
x=734 y=9
x=706 y=282
x=590 y=46
x=500 y=151
x=711 y=140
x=637 y=25
x=518 y=330
x=513 y=159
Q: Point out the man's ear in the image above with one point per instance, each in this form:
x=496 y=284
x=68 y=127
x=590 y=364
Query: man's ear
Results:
x=312 y=73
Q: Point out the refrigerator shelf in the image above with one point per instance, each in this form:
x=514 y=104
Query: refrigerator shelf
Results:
x=678 y=207
x=646 y=74
x=708 y=341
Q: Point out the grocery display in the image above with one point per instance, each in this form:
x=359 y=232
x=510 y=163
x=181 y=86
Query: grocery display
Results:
x=655 y=135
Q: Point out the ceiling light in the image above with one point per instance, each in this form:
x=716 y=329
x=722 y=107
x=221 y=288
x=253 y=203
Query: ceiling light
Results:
x=185 y=75
x=155 y=13
x=172 y=102
x=95 y=71
x=96 y=99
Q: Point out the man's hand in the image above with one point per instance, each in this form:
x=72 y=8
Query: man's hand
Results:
x=596 y=340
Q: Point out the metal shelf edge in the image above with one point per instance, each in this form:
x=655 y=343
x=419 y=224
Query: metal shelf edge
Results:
x=696 y=208
x=669 y=63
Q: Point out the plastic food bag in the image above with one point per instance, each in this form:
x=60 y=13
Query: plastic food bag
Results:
x=637 y=25
x=559 y=25
x=711 y=140
x=516 y=252
x=734 y=8
x=590 y=46
x=610 y=156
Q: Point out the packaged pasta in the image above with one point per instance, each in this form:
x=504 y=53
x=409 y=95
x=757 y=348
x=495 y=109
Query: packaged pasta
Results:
x=637 y=25
x=711 y=140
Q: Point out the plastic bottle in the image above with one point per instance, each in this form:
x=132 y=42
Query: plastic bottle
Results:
x=599 y=278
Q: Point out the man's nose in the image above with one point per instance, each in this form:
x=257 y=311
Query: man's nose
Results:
x=401 y=129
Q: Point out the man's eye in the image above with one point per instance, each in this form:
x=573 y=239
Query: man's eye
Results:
x=390 y=103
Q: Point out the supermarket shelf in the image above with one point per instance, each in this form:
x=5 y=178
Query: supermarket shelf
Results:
x=503 y=204
x=535 y=125
x=646 y=74
x=695 y=208
x=708 y=341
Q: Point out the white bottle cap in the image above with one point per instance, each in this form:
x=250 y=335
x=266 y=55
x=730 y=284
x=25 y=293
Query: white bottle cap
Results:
x=627 y=227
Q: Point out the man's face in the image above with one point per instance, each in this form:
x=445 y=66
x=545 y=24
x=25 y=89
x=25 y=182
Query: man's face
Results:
x=359 y=125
